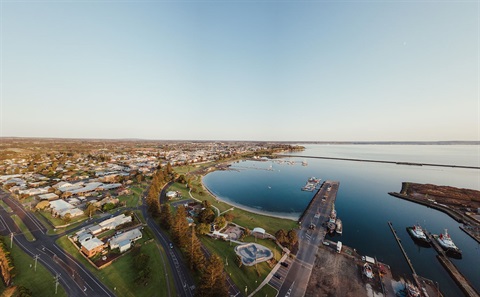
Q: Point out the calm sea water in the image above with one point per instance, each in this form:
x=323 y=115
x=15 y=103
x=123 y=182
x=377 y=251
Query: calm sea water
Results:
x=363 y=202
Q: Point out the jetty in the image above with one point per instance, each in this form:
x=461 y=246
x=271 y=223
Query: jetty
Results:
x=457 y=276
x=426 y=286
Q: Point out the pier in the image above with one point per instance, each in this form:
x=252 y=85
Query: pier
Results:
x=426 y=286
x=401 y=248
x=457 y=276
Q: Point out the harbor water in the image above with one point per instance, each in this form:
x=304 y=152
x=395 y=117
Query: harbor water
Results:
x=363 y=203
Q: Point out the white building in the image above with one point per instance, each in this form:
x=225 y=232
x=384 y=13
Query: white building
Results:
x=132 y=236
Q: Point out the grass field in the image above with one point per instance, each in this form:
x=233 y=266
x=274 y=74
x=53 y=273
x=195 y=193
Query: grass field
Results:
x=244 y=218
x=241 y=276
x=5 y=206
x=119 y=276
x=23 y=227
x=266 y=291
x=40 y=282
x=133 y=199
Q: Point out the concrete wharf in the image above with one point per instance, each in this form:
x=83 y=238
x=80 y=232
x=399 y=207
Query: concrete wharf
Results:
x=311 y=234
x=457 y=276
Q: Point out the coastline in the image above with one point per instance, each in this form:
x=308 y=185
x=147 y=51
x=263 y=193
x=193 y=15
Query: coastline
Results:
x=243 y=207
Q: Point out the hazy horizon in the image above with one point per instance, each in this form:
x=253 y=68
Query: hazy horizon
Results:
x=239 y=70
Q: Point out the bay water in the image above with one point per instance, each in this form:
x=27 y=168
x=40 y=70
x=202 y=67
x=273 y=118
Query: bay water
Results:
x=363 y=204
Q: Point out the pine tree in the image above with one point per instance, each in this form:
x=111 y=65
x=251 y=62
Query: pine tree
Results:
x=166 y=216
x=180 y=227
x=194 y=254
x=213 y=281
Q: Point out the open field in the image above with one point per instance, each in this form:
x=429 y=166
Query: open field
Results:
x=266 y=291
x=119 y=275
x=133 y=199
x=40 y=282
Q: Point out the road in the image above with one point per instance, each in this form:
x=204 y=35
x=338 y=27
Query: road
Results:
x=296 y=280
x=74 y=277
x=181 y=275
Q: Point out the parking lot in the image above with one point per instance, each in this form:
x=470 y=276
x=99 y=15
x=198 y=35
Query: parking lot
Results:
x=277 y=280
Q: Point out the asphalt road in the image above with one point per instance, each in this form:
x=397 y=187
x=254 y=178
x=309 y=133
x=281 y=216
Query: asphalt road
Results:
x=74 y=277
x=296 y=280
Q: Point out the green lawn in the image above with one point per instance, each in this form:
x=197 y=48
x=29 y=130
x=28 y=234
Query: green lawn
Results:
x=242 y=276
x=119 y=276
x=266 y=291
x=40 y=282
x=133 y=199
x=244 y=218
x=5 y=206
x=23 y=227
x=180 y=188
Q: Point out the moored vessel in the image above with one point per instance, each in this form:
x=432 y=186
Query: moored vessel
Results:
x=418 y=234
x=339 y=228
x=447 y=244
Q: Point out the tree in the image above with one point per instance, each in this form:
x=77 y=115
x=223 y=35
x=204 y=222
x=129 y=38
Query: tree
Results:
x=229 y=216
x=67 y=218
x=22 y=291
x=292 y=238
x=220 y=222
x=206 y=204
x=203 y=228
x=180 y=227
x=108 y=206
x=213 y=281
x=166 y=216
x=281 y=236
x=194 y=254
x=206 y=216
x=91 y=209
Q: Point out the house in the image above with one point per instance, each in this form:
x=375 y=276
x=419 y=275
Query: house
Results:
x=48 y=196
x=92 y=246
x=112 y=223
x=132 y=236
x=61 y=208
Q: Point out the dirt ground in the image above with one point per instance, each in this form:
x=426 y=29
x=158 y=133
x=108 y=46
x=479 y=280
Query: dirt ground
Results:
x=335 y=275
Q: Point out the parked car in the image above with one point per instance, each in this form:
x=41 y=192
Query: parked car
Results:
x=277 y=276
x=171 y=245
x=284 y=264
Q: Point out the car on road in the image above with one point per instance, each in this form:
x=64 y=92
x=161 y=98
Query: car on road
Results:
x=171 y=245
x=284 y=264
x=277 y=276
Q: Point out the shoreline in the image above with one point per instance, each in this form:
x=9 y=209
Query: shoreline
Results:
x=239 y=206
x=246 y=208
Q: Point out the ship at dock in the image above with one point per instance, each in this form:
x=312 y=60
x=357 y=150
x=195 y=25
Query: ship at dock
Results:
x=448 y=245
x=418 y=235
x=339 y=228
x=312 y=184
x=331 y=224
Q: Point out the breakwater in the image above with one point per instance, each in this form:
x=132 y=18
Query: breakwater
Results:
x=383 y=161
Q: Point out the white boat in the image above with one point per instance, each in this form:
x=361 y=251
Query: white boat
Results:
x=339 y=228
x=367 y=270
x=304 y=163
x=417 y=232
x=447 y=243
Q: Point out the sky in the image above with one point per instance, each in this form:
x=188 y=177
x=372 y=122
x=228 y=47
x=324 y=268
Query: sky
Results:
x=241 y=70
